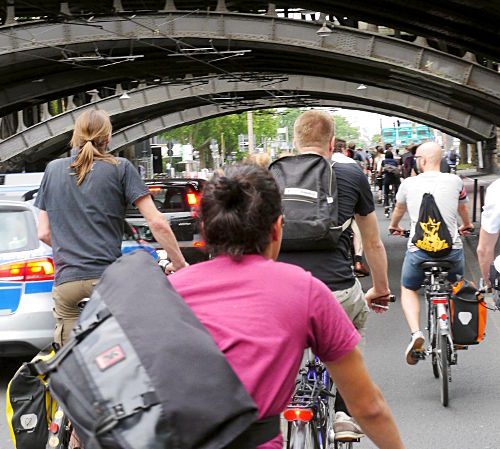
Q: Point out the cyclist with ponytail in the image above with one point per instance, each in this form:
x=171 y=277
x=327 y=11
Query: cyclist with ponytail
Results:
x=82 y=201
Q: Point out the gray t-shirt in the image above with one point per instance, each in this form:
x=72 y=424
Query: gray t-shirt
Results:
x=447 y=190
x=86 y=221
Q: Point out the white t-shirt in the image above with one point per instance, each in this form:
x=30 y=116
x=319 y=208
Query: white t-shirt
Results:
x=490 y=218
x=447 y=190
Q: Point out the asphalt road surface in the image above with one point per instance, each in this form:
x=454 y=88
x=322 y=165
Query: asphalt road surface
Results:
x=471 y=419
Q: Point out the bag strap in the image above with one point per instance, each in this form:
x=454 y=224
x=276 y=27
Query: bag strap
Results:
x=42 y=368
x=258 y=433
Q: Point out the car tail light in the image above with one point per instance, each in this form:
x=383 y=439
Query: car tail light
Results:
x=192 y=199
x=154 y=189
x=32 y=270
x=298 y=414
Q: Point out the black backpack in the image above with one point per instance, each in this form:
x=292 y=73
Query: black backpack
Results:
x=141 y=371
x=309 y=195
x=431 y=233
x=453 y=156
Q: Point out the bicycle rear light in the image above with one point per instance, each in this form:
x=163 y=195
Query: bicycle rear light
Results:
x=439 y=300
x=298 y=414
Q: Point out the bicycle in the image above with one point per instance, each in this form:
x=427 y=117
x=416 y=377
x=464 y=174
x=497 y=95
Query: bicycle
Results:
x=391 y=200
x=311 y=411
x=61 y=429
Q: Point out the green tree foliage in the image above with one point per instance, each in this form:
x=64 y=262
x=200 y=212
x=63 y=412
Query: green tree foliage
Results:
x=265 y=124
x=376 y=140
x=287 y=119
x=344 y=130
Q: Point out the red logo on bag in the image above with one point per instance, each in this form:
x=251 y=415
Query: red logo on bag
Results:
x=110 y=357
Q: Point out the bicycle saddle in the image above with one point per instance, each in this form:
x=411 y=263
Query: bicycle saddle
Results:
x=437 y=264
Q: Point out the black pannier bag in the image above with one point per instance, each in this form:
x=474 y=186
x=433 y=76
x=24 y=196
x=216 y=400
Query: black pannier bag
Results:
x=309 y=196
x=431 y=233
x=29 y=406
x=468 y=313
x=141 y=371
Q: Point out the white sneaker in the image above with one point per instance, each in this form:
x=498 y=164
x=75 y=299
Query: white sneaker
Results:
x=416 y=343
x=346 y=428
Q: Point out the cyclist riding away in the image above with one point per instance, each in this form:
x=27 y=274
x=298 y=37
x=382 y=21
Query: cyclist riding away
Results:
x=263 y=314
x=391 y=173
x=314 y=133
x=450 y=197
x=82 y=201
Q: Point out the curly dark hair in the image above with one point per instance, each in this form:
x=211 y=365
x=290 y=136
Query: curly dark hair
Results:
x=238 y=209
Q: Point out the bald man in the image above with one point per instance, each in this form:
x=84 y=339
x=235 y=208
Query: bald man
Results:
x=450 y=196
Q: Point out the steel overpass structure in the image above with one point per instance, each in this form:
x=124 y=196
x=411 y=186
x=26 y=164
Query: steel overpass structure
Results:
x=183 y=61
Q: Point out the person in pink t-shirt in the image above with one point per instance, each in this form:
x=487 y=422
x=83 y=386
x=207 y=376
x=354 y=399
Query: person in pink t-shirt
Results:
x=263 y=314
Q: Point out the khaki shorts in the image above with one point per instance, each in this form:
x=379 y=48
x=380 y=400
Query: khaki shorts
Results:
x=66 y=298
x=354 y=304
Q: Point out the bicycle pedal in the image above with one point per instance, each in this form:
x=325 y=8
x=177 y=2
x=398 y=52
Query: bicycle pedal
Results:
x=418 y=354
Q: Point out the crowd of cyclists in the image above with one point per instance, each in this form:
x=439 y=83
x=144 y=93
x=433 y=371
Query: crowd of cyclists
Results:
x=263 y=307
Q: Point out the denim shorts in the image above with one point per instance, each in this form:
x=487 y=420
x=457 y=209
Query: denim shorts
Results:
x=412 y=277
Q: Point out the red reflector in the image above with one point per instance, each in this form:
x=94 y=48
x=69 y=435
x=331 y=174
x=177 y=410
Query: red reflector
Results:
x=154 y=189
x=54 y=427
x=33 y=270
x=444 y=317
x=192 y=199
x=199 y=244
x=439 y=300
x=298 y=414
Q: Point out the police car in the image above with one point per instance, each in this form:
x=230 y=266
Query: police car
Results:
x=27 y=277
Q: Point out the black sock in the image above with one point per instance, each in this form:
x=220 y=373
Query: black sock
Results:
x=358 y=259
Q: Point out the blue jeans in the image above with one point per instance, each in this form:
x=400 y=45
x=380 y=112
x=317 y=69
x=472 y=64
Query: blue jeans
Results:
x=412 y=277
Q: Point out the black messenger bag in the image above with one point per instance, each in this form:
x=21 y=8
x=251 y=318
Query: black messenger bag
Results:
x=141 y=371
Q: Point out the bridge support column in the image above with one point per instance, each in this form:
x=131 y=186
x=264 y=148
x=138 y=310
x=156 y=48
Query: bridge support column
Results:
x=65 y=9
x=473 y=154
x=11 y=13
x=462 y=151
x=271 y=10
x=169 y=6
x=117 y=5
x=45 y=112
x=20 y=122
x=70 y=104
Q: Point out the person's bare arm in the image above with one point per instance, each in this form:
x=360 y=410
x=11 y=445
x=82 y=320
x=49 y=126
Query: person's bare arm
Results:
x=364 y=400
x=397 y=215
x=375 y=256
x=161 y=231
x=464 y=215
x=486 y=253
x=44 y=228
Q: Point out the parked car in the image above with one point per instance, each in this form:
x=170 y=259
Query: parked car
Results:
x=27 y=277
x=178 y=200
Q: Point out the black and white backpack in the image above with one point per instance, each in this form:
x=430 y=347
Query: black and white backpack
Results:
x=309 y=194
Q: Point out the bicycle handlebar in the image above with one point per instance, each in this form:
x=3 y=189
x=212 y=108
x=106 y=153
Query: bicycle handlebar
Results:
x=405 y=233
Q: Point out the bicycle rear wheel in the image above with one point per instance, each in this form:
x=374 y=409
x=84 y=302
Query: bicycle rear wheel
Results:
x=433 y=330
x=301 y=435
x=443 y=367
